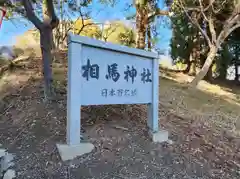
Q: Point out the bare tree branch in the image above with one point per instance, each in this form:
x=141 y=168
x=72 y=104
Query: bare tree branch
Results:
x=81 y=16
x=217 y=11
x=195 y=23
x=158 y=12
x=161 y=12
x=109 y=31
x=31 y=15
x=83 y=26
x=228 y=29
x=66 y=33
x=209 y=5
x=214 y=41
x=199 y=8
x=212 y=30
x=54 y=19
x=202 y=10
x=234 y=28
x=232 y=19
x=83 y=22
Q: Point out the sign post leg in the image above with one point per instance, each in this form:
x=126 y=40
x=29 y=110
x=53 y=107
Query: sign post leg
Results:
x=74 y=147
x=153 y=120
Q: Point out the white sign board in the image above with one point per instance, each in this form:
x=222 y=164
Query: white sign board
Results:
x=110 y=77
x=102 y=73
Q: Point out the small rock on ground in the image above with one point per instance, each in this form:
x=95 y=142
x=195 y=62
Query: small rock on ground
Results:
x=10 y=174
x=2 y=152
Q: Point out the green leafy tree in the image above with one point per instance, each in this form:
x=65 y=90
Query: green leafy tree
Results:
x=127 y=37
x=224 y=60
x=117 y=32
x=87 y=28
x=185 y=43
x=234 y=49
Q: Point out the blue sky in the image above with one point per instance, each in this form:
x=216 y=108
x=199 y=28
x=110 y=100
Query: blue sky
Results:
x=100 y=13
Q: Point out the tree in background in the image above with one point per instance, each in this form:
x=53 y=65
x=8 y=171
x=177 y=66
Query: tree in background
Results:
x=45 y=27
x=127 y=37
x=119 y=33
x=114 y=31
x=228 y=12
x=185 y=42
x=110 y=31
x=224 y=60
x=87 y=28
x=76 y=19
x=146 y=10
x=69 y=15
x=234 y=49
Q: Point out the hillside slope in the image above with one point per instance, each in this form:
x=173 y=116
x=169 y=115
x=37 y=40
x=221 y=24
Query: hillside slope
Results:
x=205 y=140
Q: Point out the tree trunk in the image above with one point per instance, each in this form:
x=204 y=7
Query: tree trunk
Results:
x=236 y=65
x=208 y=63
x=191 y=65
x=61 y=23
x=224 y=61
x=192 y=58
x=209 y=75
x=186 y=71
x=236 y=72
x=141 y=27
x=223 y=69
x=46 y=48
x=50 y=21
x=141 y=36
x=192 y=70
x=149 y=38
